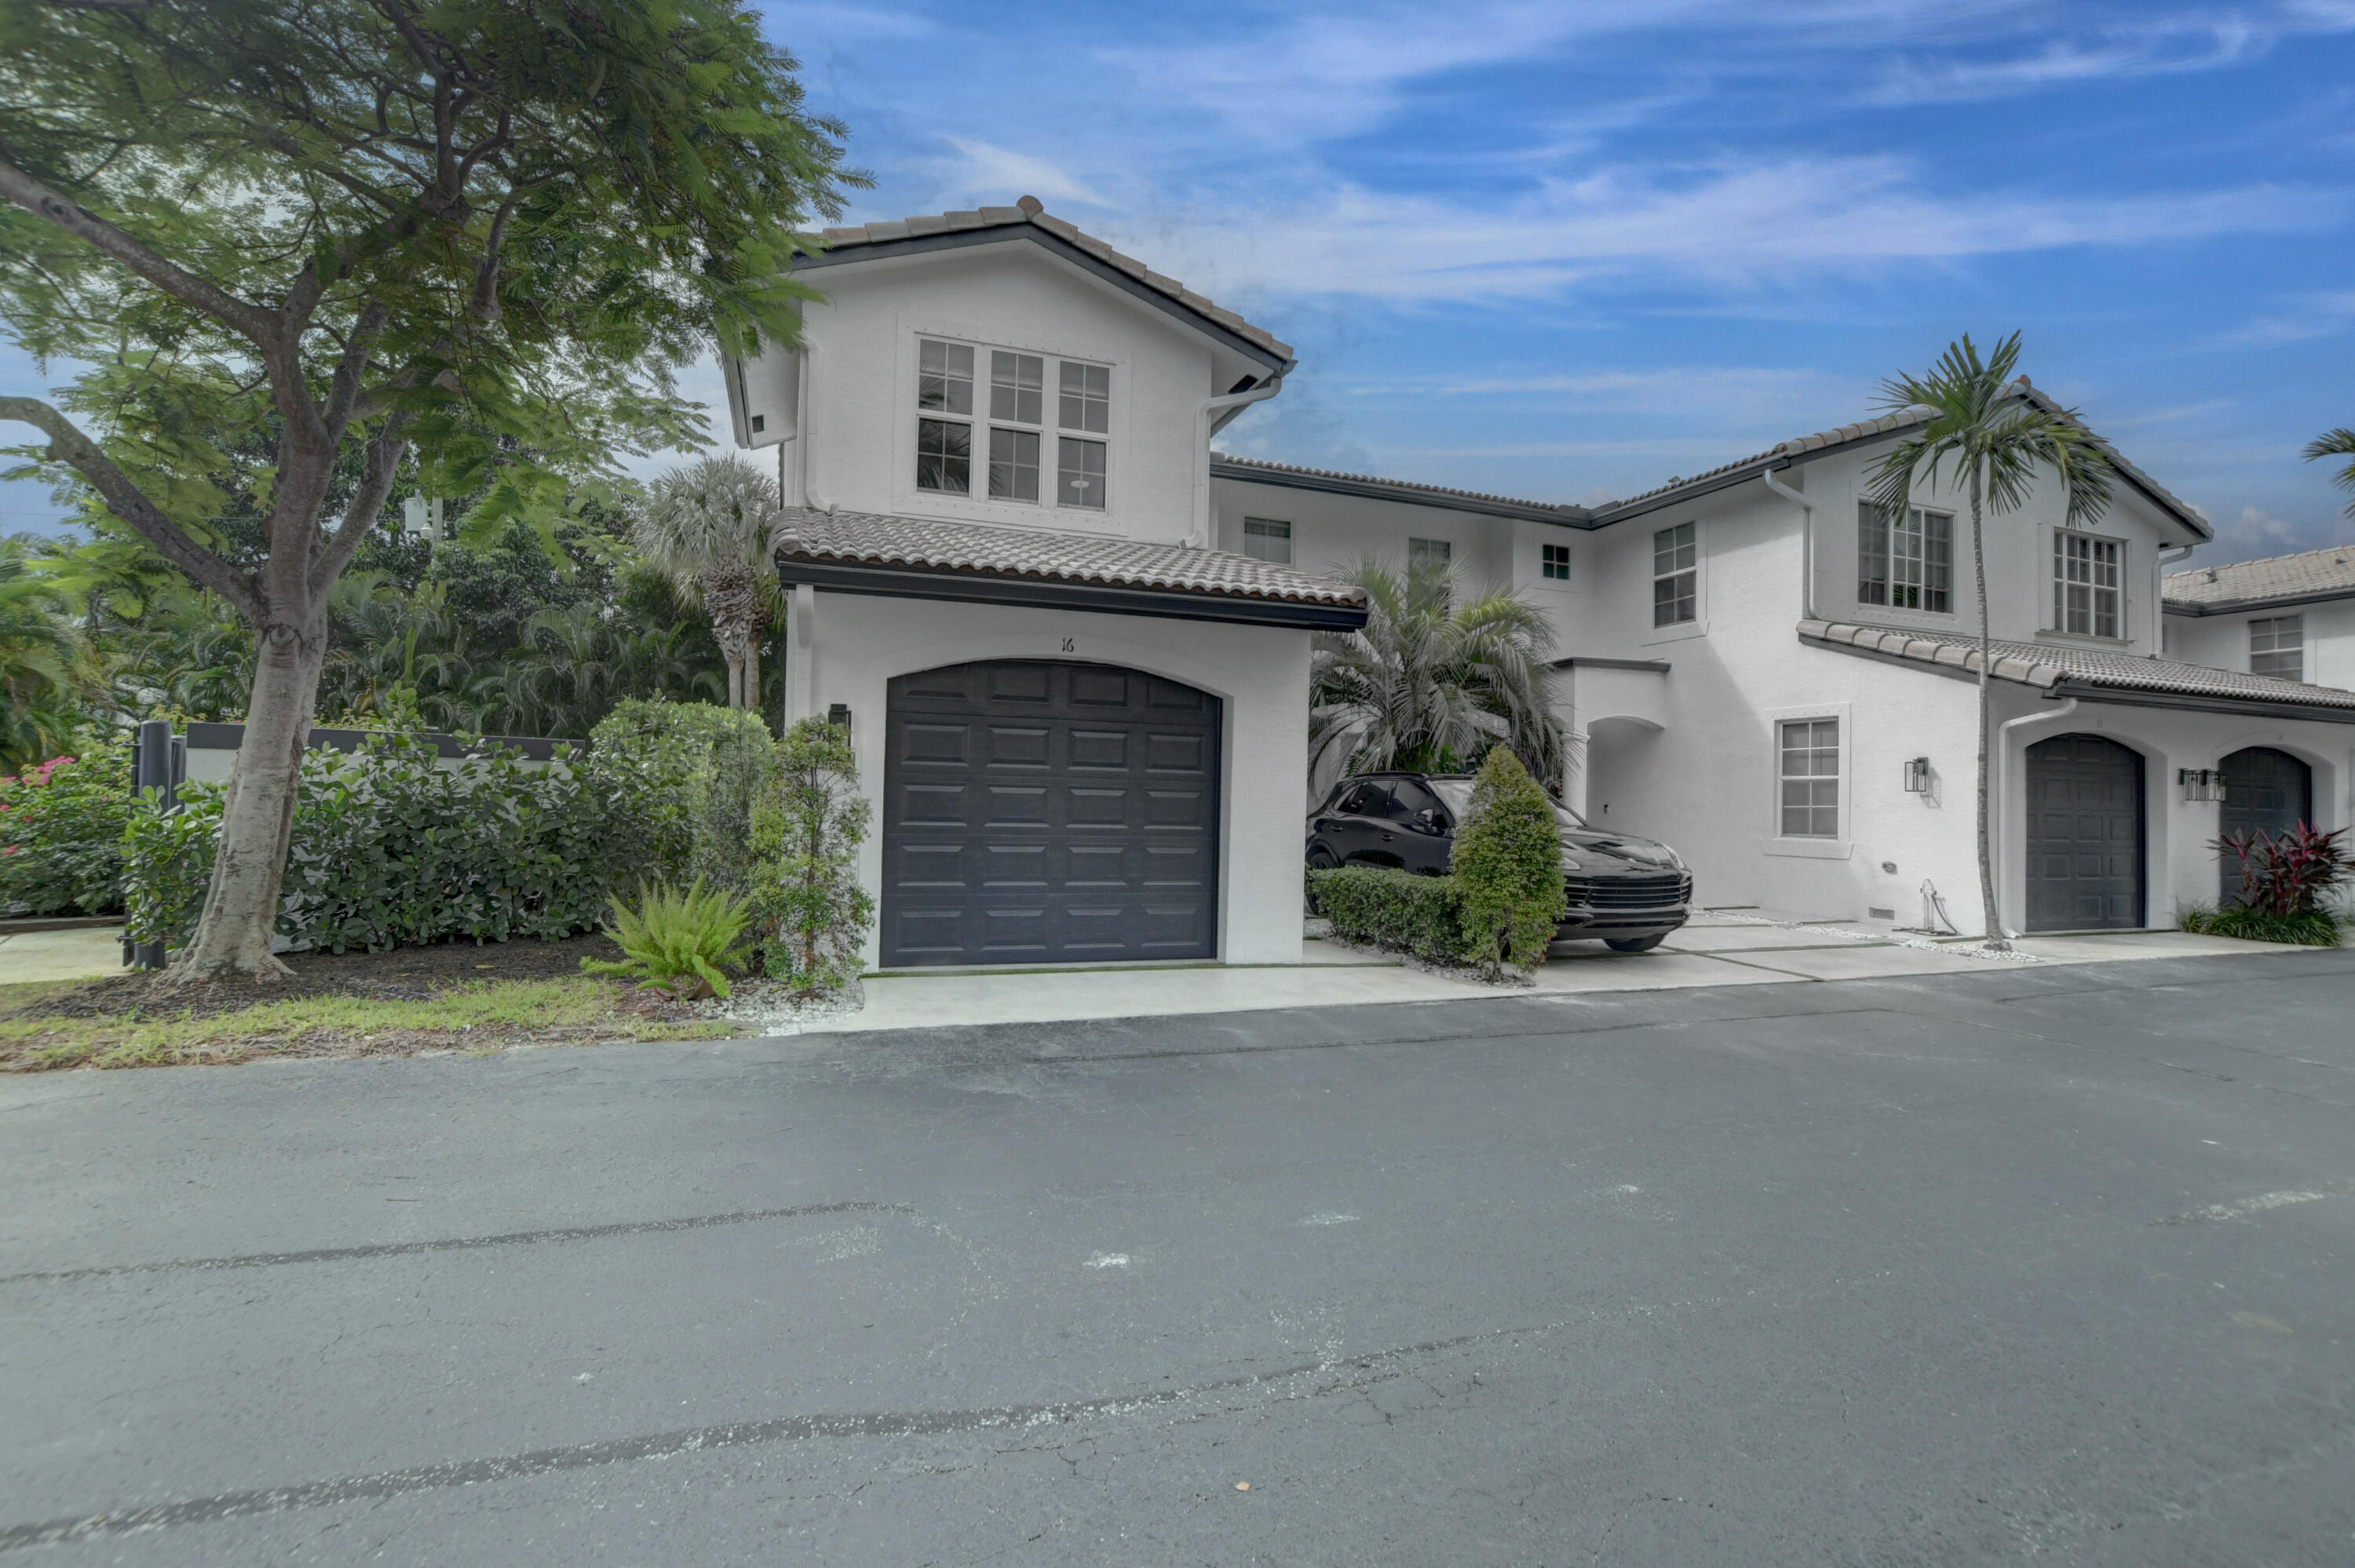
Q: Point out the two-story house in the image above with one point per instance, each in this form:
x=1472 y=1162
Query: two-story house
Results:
x=1081 y=726
x=1762 y=669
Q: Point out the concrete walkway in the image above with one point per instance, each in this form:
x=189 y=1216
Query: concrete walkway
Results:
x=85 y=952
x=1718 y=948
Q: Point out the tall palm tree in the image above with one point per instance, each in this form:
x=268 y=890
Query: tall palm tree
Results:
x=2340 y=442
x=1997 y=439
x=710 y=527
x=1432 y=678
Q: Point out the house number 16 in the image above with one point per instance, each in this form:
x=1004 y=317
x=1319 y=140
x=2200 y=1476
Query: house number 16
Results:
x=1068 y=646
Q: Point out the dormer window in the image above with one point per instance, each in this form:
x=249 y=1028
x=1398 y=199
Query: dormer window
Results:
x=1010 y=429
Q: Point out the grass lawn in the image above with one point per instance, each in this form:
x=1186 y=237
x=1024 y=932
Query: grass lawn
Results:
x=405 y=1003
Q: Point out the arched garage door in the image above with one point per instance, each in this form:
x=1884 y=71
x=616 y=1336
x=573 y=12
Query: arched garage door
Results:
x=2084 y=834
x=1045 y=813
x=2266 y=791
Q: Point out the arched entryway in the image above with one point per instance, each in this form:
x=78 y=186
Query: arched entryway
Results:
x=2085 y=835
x=1042 y=811
x=2266 y=791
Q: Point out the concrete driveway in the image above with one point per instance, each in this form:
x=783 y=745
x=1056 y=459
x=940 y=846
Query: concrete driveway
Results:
x=2047 y=1262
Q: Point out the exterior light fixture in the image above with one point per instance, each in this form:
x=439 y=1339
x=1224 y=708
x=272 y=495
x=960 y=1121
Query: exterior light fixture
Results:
x=2200 y=783
x=839 y=713
x=1917 y=776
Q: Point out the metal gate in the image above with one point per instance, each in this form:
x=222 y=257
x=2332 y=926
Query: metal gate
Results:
x=2084 y=835
x=1038 y=811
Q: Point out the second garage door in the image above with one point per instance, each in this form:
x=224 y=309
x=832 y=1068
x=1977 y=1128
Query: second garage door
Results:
x=1045 y=813
x=2084 y=834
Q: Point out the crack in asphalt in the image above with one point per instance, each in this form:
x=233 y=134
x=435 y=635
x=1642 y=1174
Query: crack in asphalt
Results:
x=454 y=1244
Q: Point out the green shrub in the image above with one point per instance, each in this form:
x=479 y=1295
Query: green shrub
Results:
x=2302 y=928
x=1395 y=909
x=61 y=826
x=693 y=773
x=388 y=849
x=676 y=940
x=1507 y=860
x=810 y=912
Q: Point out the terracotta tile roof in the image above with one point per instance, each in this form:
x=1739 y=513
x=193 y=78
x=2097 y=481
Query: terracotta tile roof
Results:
x=2313 y=574
x=866 y=538
x=2064 y=665
x=1029 y=214
x=1248 y=466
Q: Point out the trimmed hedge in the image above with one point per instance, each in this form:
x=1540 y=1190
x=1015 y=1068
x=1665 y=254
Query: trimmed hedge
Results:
x=61 y=827
x=1396 y=909
x=2305 y=927
x=1507 y=861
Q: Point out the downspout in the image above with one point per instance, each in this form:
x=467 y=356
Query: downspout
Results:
x=1199 y=536
x=808 y=497
x=2159 y=593
x=1806 y=541
x=2000 y=776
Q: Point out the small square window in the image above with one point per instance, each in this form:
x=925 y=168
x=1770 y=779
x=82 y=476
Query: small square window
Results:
x=1676 y=575
x=1553 y=562
x=1429 y=552
x=1266 y=539
x=944 y=378
x=1086 y=401
x=1018 y=388
x=945 y=456
x=1808 y=777
x=1014 y=465
x=1080 y=474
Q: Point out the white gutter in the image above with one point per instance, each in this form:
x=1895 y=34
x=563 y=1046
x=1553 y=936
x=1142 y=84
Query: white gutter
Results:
x=1199 y=536
x=808 y=497
x=2000 y=774
x=1806 y=542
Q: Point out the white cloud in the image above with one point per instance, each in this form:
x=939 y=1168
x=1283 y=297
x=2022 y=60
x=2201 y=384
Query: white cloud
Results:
x=798 y=22
x=2164 y=47
x=1735 y=395
x=2311 y=316
x=982 y=173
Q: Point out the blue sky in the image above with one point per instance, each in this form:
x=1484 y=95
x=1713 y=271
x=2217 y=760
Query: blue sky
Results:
x=1567 y=251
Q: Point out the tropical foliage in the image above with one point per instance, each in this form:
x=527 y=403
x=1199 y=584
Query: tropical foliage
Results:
x=1435 y=677
x=61 y=825
x=677 y=942
x=710 y=527
x=2340 y=442
x=1990 y=439
x=812 y=914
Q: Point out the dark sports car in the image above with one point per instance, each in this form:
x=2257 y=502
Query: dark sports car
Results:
x=1629 y=892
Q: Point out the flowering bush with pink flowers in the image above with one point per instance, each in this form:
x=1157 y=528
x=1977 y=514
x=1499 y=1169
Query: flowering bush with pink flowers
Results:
x=61 y=825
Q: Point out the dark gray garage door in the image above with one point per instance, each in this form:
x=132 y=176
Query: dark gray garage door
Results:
x=2084 y=834
x=1045 y=813
x=2266 y=791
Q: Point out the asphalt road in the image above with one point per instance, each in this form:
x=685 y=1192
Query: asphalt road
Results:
x=2041 y=1263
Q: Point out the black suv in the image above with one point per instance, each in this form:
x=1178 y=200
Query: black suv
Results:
x=1629 y=892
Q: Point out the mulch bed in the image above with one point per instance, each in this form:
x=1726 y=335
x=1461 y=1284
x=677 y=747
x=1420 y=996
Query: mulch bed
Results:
x=404 y=974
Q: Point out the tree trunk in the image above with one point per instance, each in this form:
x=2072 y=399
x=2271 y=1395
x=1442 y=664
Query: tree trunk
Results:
x=753 y=672
x=731 y=600
x=1995 y=940
x=257 y=816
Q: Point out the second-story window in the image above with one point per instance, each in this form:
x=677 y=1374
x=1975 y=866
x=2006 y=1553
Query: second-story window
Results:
x=1676 y=575
x=1007 y=436
x=2277 y=647
x=1267 y=539
x=2085 y=598
x=1428 y=553
x=1907 y=564
x=1553 y=562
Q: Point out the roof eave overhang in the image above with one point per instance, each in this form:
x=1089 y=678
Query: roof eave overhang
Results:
x=1404 y=495
x=2242 y=605
x=1006 y=234
x=898 y=581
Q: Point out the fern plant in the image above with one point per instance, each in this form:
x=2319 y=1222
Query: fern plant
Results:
x=675 y=940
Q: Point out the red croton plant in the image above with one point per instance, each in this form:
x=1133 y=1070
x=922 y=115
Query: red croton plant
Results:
x=2290 y=873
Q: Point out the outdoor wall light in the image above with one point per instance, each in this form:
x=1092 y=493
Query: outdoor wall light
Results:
x=839 y=713
x=2200 y=783
x=1917 y=776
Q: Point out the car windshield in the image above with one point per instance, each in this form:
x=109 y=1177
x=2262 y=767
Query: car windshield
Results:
x=1457 y=794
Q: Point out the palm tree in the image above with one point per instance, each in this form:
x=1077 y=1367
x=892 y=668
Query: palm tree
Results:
x=1432 y=678
x=2340 y=442
x=1996 y=436
x=710 y=527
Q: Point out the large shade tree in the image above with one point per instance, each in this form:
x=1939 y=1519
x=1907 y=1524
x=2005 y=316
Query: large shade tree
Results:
x=486 y=232
x=1435 y=677
x=1988 y=440
x=711 y=528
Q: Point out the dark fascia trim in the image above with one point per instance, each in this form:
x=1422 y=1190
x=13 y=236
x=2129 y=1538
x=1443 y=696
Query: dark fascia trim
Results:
x=1583 y=661
x=962 y=238
x=2084 y=692
x=1040 y=593
x=1402 y=491
x=2243 y=606
x=2250 y=707
x=538 y=748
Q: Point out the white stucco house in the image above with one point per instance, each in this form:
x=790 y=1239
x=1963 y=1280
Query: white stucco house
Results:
x=1760 y=669
x=1080 y=724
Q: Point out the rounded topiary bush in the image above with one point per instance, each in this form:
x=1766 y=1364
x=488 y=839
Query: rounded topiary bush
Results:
x=1508 y=861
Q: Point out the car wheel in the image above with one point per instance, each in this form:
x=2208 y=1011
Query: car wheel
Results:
x=1635 y=944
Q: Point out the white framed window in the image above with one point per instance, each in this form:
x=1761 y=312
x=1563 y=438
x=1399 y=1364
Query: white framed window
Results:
x=1429 y=552
x=1267 y=539
x=1905 y=564
x=2086 y=599
x=1808 y=777
x=1554 y=563
x=2277 y=647
x=1003 y=442
x=1676 y=575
